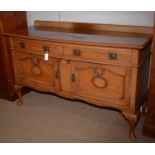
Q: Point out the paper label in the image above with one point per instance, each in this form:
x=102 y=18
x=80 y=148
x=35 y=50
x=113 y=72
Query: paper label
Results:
x=46 y=57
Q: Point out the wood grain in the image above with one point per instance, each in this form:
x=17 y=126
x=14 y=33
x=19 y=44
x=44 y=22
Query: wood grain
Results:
x=91 y=27
x=105 y=74
x=106 y=40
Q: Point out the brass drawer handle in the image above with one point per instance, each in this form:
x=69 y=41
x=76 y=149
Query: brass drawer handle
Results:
x=22 y=44
x=73 y=78
x=113 y=56
x=77 y=52
x=46 y=55
x=46 y=49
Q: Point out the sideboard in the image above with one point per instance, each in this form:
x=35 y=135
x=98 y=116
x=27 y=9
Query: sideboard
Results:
x=104 y=65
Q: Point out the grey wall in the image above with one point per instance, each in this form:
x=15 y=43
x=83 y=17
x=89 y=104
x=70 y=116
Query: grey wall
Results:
x=41 y=15
x=136 y=18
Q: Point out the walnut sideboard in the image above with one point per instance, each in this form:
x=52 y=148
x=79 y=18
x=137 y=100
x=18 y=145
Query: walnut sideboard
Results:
x=104 y=65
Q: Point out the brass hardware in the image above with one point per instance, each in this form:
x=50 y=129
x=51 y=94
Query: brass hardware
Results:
x=22 y=44
x=46 y=48
x=46 y=56
x=77 y=52
x=112 y=56
x=73 y=78
x=56 y=74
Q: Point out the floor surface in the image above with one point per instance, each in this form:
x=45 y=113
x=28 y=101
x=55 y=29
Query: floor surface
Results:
x=48 y=118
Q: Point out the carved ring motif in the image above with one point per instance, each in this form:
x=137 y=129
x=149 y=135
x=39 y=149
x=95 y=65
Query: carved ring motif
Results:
x=35 y=66
x=99 y=81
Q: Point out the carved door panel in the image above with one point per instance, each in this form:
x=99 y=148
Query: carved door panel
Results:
x=108 y=83
x=33 y=71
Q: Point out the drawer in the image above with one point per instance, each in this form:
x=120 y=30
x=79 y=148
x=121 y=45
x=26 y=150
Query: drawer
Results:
x=103 y=55
x=37 y=47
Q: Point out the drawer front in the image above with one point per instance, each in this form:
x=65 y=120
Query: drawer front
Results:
x=103 y=55
x=37 y=47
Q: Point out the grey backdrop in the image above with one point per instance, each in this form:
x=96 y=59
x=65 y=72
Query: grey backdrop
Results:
x=137 y=18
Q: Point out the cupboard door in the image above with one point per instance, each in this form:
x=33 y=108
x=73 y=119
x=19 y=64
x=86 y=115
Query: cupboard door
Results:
x=65 y=67
x=107 y=83
x=33 y=71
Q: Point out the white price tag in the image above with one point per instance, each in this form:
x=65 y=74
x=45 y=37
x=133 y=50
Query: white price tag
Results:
x=46 y=57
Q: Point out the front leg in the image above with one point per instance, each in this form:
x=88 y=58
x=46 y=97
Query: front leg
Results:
x=18 y=90
x=132 y=120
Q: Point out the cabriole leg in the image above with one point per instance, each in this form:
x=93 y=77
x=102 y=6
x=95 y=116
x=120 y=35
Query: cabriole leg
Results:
x=132 y=120
x=18 y=90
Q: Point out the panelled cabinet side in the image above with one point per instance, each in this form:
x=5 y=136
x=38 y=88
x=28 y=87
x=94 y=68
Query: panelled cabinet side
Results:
x=140 y=77
x=144 y=75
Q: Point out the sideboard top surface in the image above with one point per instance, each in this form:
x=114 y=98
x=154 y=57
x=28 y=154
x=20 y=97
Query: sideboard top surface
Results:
x=94 y=37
